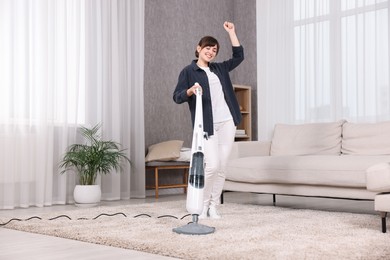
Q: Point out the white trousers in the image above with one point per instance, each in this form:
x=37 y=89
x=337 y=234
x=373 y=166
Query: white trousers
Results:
x=217 y=149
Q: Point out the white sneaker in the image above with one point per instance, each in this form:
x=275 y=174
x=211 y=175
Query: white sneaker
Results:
x=204 y=213
x=213 y=213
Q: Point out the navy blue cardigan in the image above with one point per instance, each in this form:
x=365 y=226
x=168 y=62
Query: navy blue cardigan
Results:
x=192 y=73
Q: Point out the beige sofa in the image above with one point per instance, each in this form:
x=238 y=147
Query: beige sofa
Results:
x=321 y=160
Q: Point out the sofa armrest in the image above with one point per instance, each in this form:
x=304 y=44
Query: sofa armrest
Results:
x=250 y=148
x=378 y=177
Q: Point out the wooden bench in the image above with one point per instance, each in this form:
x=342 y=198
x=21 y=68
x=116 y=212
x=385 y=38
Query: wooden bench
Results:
x=160 y=167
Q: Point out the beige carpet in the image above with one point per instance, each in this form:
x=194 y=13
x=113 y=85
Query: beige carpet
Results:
x=245 y=232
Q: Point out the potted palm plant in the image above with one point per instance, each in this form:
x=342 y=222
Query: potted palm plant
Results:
x=95 y=157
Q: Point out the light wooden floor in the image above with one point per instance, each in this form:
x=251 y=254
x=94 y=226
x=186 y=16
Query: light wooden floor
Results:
x=16 y=245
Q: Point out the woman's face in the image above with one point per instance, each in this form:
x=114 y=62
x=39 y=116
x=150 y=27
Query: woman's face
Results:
x=208 y=53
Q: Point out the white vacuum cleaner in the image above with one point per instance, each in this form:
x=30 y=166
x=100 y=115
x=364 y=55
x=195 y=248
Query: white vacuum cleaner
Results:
x=195 y=187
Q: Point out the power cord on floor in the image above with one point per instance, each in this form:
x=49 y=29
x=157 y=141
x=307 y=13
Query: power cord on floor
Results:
x=98 y=216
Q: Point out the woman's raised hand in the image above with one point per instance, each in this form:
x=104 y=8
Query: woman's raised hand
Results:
x=229 y=27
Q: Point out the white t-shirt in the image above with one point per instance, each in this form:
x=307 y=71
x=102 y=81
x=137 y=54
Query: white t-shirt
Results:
x=221 y=110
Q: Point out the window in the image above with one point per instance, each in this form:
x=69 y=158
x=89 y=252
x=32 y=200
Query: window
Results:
x=341 y=59
x=42 y=62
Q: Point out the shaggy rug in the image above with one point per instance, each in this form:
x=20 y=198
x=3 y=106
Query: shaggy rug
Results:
x=244 y=232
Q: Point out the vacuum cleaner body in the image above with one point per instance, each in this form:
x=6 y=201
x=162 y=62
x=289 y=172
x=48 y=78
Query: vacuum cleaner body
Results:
x=196 y=179
x=195 y=187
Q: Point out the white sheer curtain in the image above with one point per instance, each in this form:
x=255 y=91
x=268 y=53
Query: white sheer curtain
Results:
x=66 y=63
x=322 y=60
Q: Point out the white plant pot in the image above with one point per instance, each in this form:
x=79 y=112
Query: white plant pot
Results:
x=87 y=195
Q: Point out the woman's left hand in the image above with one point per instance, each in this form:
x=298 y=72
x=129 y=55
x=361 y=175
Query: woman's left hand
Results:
x=229 y=27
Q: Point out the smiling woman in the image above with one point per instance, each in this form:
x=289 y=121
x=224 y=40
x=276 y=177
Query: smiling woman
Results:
x=51 y=84
x=206 y=50
x=221 y=112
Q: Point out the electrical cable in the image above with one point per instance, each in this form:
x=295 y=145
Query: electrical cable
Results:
x=167 y=216
x=102 y=214
x=139 y=215
x=110 y=215
x=185 y=216
x=9 y=221
x=60 y=216
x=33 y=218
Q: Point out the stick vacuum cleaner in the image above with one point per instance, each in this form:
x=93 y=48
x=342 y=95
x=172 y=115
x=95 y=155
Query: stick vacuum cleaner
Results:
x=194 y=203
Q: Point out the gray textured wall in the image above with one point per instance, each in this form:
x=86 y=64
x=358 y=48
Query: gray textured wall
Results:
x=172 y=31
x=245 y=74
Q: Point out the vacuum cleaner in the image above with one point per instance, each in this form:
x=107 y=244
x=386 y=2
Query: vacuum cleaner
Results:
x=195 y=187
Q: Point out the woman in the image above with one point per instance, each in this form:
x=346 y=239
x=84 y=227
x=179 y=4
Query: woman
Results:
x=221 y=112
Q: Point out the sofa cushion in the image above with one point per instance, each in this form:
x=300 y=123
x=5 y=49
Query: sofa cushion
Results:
x=307 y=139
x=323 y=170
x=366 y=138
x=164 y=151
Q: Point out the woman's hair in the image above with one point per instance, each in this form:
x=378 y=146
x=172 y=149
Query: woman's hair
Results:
x=205 y=42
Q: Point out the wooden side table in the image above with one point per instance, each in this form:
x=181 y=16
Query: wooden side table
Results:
x=160 y=167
